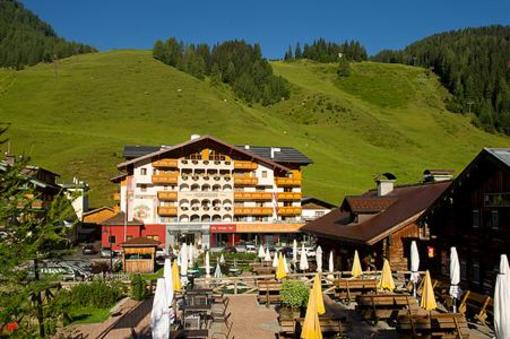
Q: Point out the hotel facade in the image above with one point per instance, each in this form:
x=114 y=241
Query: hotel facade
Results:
x=208 y=192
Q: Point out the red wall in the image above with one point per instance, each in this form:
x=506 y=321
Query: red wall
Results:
x=133 y=231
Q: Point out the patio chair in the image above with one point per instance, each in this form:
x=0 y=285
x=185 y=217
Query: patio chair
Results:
x=227 y=334
x=221 y=307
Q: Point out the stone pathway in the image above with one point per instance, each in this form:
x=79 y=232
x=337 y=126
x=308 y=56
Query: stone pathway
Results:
x=252 y=320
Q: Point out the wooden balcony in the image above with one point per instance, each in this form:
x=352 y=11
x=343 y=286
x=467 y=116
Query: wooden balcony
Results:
x=289 y=196
x=289 y=210
x=253 y=196
x=167 y=196
x=165 y=163
x=253 y=211
x=164 y=178
x=245 y=165
x=167 y=211
x=288 y=182
x=244 y=180
x=116 y=196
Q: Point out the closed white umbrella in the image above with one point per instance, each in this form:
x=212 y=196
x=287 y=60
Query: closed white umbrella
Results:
x=318 y=258
x=169 y=284
x=207 y=265
x=285 y=265
x=275 y=259
x=502 y=300
x=262 y=254
x=294 y=252
x=454 y=277
x=217 y=271
x=267 y=257
x=184 y=264
x=303 y=260
x=331 y=267
x=222 y=259
x=191 y=255
x=415 y=265
x=160 y=314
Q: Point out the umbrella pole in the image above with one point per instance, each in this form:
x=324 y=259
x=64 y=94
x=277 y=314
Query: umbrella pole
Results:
x=454 y=305
x=414 y=288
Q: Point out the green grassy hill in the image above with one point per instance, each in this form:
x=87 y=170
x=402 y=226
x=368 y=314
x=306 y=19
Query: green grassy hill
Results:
x=75 y=117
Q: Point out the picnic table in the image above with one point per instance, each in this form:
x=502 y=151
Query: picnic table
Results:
x=432 y=324
x=196 y=308
x=348 y=289
x=383 y=306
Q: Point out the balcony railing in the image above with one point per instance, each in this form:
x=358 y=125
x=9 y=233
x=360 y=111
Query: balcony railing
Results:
x=167 y=211
x=253 y=211
x=257 y=196
x=245 y=165
x=165 y=163
x=284 y=181
x=164 y=179
x=289 y=196
x=167 y=196
x=289 y=210
x=244 y=180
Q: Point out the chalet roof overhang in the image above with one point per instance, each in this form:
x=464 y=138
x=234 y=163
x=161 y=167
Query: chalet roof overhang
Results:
x=198 y=144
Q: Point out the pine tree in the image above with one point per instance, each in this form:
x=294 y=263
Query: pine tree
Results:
x=288 y=55
x=298 y=54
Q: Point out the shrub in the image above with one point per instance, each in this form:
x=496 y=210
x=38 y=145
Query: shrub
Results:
x=98 y=293
x=294 y=293
x=138 y=287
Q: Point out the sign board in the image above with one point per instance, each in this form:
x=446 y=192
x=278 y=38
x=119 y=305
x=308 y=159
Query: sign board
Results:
x=225 y=228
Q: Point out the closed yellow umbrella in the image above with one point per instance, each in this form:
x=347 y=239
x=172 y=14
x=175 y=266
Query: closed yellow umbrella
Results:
x=356 y=266
x=386 y=282
x=311 y=325
x=175 y=277
x=280 y=268
x=428 y=301
x=317 y=291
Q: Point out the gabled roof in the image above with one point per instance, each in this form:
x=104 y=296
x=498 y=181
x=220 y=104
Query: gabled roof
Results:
x=410 y=203
x=135 y=151
x=95 y=210
x=502 y=154
x=280 y=154
x=316 y=201
x=207 y=140
x=368 y=204
x=119 y=219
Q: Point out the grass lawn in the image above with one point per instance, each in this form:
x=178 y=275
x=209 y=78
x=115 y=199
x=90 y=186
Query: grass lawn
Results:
x=153 y=276
x=382 y=118
x=89 y=315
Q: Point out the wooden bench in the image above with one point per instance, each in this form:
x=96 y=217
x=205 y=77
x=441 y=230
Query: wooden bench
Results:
x=383 y=306
x=269 y=291
x=262 y=270
x=348 y=289
x=328 y=325
x=478 y=306
x=287 y=328
x=435 y=325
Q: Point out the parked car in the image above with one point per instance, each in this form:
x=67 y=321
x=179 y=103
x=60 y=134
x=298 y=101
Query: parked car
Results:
x=251 y=248
x=89 y=249
x=241 y=248
x=106 y=252
x=287 y=251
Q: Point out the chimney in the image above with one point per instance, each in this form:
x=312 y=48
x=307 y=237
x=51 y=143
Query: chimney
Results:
x=385 y=183
x=437 y=175
x=273 y=151
x=195 y=136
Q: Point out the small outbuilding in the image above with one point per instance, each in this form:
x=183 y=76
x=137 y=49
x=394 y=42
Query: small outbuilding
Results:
x=139 y=255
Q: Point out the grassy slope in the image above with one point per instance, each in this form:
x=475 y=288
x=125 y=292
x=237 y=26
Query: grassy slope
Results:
x=383 y=118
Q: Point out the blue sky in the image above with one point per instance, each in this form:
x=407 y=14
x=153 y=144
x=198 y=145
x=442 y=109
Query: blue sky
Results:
x=378 y=24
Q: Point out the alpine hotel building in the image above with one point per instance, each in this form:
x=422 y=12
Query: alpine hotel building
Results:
x=207 y=192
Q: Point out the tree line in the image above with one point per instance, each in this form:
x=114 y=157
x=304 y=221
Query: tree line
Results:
x=235 y=63
x=326 y=51
x=27 y=40
x=474 y=64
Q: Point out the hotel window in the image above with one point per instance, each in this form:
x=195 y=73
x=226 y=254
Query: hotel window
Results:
x=143 y=171
x=319 y=213
x=476 y=218
x=260 y=204
x=143 y=188
x=165 y=187
x=495 y=219
x=264 y=174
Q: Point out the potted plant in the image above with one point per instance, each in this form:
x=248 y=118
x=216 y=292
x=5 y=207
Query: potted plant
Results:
x=294 y=296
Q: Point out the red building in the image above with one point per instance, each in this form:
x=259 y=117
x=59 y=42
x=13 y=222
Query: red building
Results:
x=116 y=231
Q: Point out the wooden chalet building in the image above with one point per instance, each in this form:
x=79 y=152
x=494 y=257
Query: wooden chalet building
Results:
x=313 y=208
x=379 y=223
x=473 y=215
